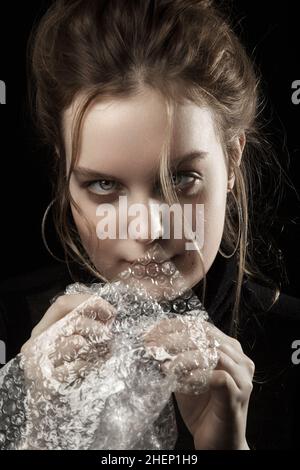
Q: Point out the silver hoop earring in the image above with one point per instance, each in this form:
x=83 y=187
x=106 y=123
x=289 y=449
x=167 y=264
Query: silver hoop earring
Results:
x=43 y=232
x=239 y=235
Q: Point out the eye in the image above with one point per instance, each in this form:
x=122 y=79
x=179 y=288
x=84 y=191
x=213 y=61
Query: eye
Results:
x=102 y=187
x=184 y=180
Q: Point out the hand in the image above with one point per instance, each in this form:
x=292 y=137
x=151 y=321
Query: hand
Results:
x=216 y=418
x=74 y=331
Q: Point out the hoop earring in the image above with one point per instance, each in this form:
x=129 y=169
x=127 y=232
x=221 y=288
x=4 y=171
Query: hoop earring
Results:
x=43 y=231
x=239 y=235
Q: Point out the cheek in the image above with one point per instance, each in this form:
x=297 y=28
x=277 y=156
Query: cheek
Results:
x=86 y=222
x=99 y=251
x=86 y=230
x=214 y=199
x=214 y=211
x=210 y=226
x=85 y=219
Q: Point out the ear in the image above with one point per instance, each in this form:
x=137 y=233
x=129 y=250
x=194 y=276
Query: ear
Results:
x=238 y=148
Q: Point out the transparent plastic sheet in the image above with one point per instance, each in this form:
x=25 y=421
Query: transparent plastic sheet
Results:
x=90 y=382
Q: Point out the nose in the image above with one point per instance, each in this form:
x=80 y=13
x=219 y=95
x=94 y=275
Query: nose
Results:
x=147 y=226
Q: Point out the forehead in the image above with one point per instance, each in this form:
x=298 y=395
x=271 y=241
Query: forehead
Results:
x=134 y=129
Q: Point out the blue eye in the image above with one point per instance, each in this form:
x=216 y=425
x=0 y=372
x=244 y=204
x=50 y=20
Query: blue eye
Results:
x=183 y=180
x=103 y=186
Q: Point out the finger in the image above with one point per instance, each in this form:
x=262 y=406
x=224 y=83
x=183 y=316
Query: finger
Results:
x=173 y=343
x=97 y=308
x=69 y=349
x=195 y=382
x=166 y=326
x=214 y=333
x=223 y=388
x=186 y=362
x=241 y=377
x=232 y=348
x=70 y=373
x=238 y=357
x=92 y=330
x=60 y=308
x=74 y=332
x=221 y=385
x=85 y=342
x=84 y=305
x=188 y=324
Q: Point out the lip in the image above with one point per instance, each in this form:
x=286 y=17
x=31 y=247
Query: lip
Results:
x=127 y=265
x=162 y=259
x=156 y=253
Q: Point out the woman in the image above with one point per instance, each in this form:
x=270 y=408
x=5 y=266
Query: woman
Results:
x=157 y=101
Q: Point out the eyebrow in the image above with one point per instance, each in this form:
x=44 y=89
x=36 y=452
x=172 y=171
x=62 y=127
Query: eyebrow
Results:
x=190 y=156
x=93 y=174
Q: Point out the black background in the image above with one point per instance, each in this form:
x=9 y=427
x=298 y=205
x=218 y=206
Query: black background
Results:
x=270 y=32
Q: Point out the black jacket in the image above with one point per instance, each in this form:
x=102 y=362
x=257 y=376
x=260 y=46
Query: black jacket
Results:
x=266 y=335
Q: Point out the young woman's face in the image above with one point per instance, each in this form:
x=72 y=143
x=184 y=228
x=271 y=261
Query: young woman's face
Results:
x=121 y=144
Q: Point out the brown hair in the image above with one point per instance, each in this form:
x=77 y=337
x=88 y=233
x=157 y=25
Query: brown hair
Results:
x=181 y=48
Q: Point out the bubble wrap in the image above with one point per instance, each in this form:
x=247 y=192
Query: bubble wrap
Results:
x=90 y=381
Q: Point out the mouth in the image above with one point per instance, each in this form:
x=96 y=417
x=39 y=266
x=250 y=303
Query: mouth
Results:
x=154 y=254
x=159 y=259
x=148 y=268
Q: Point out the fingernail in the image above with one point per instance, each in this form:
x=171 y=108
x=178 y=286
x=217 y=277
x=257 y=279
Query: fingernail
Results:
x=104 y=315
